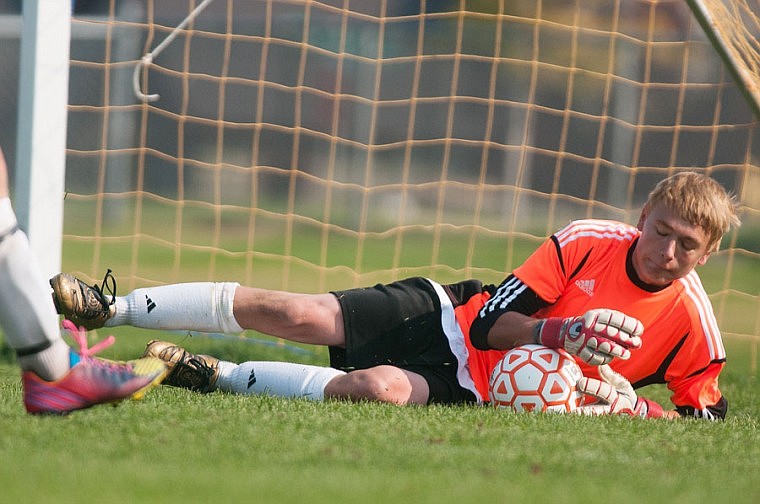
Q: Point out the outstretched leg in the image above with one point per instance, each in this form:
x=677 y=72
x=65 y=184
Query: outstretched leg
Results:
x=204 y=373
x=204 y=307
x=305 y=318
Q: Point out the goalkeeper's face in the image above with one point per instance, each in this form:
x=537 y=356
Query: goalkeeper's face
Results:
x=669 y=247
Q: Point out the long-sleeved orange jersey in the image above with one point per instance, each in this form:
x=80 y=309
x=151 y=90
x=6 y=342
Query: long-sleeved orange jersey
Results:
x=588 y=265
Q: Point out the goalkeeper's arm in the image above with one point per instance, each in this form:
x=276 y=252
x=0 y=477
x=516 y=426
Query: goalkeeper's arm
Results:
x=597 y=337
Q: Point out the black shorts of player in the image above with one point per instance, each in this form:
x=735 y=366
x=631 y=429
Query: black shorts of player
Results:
x=399 y=324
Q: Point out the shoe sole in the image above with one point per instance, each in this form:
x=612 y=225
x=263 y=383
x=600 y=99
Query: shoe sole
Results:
x=139 y=394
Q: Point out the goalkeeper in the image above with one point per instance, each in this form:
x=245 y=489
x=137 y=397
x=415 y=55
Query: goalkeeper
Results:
x=620 y=298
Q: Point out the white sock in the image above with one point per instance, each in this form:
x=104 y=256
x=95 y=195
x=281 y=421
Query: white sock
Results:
x=27 y=313
x=281 y=379
x=7 y=216
x=49 y=364
x=199 y=306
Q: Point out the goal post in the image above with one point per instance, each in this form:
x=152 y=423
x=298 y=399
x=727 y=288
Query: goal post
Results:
x=315 y=145
x=42 y=121
x=733 y=28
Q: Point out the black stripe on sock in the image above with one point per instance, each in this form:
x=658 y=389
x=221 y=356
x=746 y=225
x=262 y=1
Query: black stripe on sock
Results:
x=8 y=233
x=23 y=352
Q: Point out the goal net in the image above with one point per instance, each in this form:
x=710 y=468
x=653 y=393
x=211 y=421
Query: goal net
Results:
x=318 y=145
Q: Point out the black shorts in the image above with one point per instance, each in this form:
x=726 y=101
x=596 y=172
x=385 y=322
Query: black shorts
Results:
x=400 y=324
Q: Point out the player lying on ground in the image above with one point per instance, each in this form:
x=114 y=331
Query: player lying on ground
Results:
x=55 y=378
x=588 y=289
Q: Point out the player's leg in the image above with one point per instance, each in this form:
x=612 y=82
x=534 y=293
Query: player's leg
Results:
x=55 y=379
x=284 y=379
x=395 y=351
x=27 y=315
x=203 y=307
x=203 y=373
x=305 y=318
x=381 y=383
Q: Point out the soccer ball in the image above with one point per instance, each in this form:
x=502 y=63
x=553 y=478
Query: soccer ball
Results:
x=535 y=378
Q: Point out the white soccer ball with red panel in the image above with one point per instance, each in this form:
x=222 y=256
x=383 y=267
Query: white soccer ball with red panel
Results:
x=535 y=378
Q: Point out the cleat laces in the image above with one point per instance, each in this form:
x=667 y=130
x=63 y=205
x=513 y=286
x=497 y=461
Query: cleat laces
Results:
x=200 y=364
x=80 y=336
x=109 y=284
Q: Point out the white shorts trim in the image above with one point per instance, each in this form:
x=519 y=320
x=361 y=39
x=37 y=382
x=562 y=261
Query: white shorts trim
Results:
x=456 y=340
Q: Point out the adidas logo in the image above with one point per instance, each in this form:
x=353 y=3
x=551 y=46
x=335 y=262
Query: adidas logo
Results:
x=252 y=378
x=586 y=286
x=149 y=303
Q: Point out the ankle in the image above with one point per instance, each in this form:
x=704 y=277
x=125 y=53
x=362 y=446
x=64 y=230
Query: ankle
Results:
x=50 y=364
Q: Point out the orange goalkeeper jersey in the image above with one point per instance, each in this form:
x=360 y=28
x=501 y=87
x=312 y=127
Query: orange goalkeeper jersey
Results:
x=588 y=265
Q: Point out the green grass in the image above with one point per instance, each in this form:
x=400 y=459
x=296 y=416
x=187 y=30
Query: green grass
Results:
x=178 y=446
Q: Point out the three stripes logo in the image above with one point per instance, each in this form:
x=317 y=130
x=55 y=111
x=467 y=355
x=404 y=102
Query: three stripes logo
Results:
x=586 y=286
x=149 y=303
x=252 y=378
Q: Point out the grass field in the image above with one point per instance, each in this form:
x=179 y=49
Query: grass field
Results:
x=177 y=446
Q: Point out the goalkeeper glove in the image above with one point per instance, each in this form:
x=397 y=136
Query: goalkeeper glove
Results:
x=615 y=396
x=597 y=337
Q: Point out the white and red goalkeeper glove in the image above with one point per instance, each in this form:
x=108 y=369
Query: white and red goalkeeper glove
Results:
x=615 y=396
x=597 y=337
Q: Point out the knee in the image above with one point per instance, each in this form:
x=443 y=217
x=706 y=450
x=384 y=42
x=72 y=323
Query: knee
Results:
x=375 y=384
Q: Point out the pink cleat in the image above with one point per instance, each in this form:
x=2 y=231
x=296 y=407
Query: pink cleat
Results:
x=91 y=380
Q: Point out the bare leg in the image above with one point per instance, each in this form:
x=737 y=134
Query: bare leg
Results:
x=305 y=318
x=381 y=383
x=317 y=319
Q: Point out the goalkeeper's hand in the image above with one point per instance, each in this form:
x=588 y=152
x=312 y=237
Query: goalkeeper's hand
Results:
x=615 y=396
x=597 y=337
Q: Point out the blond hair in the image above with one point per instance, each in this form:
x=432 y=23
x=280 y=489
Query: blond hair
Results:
x=700 y=201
